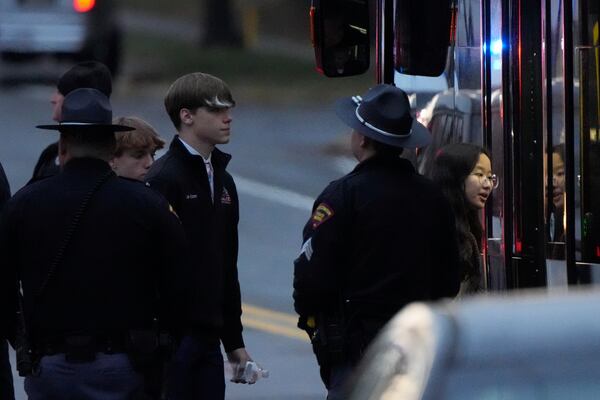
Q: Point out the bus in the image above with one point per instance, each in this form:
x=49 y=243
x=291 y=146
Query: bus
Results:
x=521 y=78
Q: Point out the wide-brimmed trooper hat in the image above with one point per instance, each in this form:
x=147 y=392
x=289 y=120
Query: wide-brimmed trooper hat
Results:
x=383 y=114
x=86 y=109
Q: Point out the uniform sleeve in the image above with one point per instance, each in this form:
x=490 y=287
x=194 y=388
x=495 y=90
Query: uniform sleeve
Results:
x=318 y=268
x=167 y=188
x=46 y=164
x=4 y=188
x=173 y=267
x=232 y=330
x=8 y=273
x=447 y=277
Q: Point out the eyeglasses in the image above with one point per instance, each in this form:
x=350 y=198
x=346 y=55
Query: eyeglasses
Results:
x=491 y=179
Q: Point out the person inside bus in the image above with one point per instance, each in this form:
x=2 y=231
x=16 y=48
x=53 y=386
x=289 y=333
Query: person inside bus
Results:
x=464 y=173
x=344 y=43
x=135 y=149
x=558 y=194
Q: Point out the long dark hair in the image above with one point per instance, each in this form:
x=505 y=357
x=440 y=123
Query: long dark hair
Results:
x=451 y=167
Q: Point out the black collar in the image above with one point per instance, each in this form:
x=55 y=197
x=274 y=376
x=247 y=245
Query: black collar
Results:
x=401 y=164
x=219 y=159
x=87 y=163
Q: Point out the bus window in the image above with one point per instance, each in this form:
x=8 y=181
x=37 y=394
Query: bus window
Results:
x=340 y=30
x=468 y=46
x=587 y=66
x=584 y=224
x=556 y=204
x=422 y=36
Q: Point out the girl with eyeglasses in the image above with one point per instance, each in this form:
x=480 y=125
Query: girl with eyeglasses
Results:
x=464 y=173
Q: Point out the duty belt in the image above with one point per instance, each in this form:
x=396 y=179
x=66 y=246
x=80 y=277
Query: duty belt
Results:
x=84 y=345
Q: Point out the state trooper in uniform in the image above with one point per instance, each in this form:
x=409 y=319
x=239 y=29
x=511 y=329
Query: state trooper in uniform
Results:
x=97 y=259
x=379 y=237
x=6 y=380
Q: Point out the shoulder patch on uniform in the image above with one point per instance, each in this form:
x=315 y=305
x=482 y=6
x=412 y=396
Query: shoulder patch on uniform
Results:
x=322 y=213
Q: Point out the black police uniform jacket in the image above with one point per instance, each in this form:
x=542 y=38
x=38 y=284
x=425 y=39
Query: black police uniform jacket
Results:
x=380 y=237
x=214 y=304
x=118 y=273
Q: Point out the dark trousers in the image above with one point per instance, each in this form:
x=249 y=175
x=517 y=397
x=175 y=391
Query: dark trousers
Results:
x=108 y=377
x=7 y=391
x=196 y=370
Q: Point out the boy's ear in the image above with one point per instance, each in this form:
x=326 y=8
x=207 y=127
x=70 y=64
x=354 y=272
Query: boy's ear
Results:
x=186 y=116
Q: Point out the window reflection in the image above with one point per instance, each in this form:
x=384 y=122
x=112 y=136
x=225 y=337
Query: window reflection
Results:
x=556 y=225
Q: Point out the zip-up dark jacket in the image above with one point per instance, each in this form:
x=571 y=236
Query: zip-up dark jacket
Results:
x=214 y=305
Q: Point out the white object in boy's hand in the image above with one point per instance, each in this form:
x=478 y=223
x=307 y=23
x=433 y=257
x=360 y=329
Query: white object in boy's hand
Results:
x=249 y=373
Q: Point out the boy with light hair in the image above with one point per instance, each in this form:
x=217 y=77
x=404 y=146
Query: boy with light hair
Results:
x=135 y=149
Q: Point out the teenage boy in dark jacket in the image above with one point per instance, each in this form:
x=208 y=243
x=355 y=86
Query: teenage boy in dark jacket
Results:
x=192 y=176
x=86 y=74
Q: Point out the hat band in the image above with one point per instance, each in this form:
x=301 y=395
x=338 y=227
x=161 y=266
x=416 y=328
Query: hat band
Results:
x=82 y=123
x=358 y=100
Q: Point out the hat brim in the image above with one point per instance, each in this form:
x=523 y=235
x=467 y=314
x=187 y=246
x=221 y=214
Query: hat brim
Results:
x=346 y=110
x=86 y=127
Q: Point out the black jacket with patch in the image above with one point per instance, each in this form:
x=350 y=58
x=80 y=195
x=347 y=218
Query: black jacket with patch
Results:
x=214 y=304
x=380 y=237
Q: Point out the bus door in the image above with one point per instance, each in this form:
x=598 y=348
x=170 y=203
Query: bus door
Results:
x=573 y=142
x=538 y=115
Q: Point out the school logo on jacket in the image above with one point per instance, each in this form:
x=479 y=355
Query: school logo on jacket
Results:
x=225 y=197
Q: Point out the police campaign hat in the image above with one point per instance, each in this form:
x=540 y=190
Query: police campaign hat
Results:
x=86 y=109
x=383 y=114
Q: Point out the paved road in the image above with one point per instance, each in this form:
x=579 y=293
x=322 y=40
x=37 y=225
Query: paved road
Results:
x=280 y=166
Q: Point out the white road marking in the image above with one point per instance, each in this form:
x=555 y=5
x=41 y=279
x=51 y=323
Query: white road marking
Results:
x=274 y=194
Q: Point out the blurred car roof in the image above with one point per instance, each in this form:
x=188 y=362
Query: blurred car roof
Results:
x=424 y=343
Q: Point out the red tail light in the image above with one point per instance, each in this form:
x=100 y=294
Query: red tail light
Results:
x=83 y=5
x=518 y=246
x=311 y=14
x=597 y=251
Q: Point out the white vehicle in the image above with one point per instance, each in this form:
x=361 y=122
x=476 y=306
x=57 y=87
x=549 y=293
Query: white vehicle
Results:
x=526 y=346
x=62 y=29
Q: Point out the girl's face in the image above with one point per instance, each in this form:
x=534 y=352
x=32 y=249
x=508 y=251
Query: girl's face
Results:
x=558 y=181
x=478 y=184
